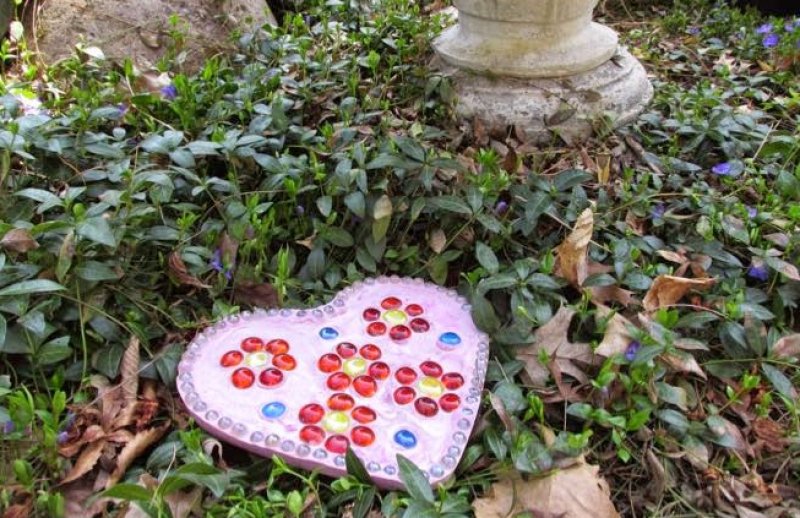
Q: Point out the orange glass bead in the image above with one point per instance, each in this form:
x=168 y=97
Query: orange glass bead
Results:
x=391 y=303
x=362 y=436
x=449 y=402
x=252 y=344
x=312 y=434
x=329 y=363
x=452 y=381
x=311 y=414
x=338 y=381
x=278 y=346
x=341 y=402
x=284 y=362
x=363 y=414
x=243 y=378
x=365 y=386
x=370 y=352
x=376 y=329
x=405 y=375
x=231 y=359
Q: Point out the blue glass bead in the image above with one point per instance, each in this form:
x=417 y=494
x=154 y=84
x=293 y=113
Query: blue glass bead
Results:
x=449 y=340
x=273 y=410
x=328 y=333
x=405 y=439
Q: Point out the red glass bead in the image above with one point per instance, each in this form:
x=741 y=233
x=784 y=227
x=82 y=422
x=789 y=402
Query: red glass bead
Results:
x=452 y=381
x=370 y=352
x=414 y=310
x=362 y=436
x=391 y=303
x=379 y=371
x=432 y=369
x=420 y=325
x=329 y=363
x=243 y=378
x=400 y=333
x=405 y=375
x=363 y=414
x=376 y=329
x=426 y=406
x=252 y=344
x=311 y=414
x=278 y=346
x=337 y=444
x=346 y=350
x=338 y=381
x=372 y=314
x=231 y=359
x=449 y=402
x=341 y=402
x=365 y=386
x=270 y=377
x=404 y=395
x=312 y=434
x=284 y=362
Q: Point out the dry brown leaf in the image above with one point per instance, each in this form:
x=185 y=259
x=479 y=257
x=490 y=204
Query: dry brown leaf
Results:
x=511 y=162
x=787 y=347
x=603 y=169
x=658 y=476
x=86 y=462
x=179 y=271
x=572 y=263
x=18 y=240
x=129 y=385
x=617 y=338
x=683 y=362
x=575 y=492
x=668 y=290
x=262 y=295
x=131 y=451
x=437 y=240
x=614 y=293
x=502 y=413
x=76 y=497
x=553 y=339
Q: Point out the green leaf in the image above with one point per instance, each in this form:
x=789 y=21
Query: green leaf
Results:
x=364 y=503
x=98 y=230
x=94 y=271
x=316 y=263
x=3 y=327
x=355 y=467
x=511 y=395
x=325 y=205
x=356 y=203
x=451 y=204
x=413 y=478
x=735 y=228
x=54 y=351
x=130 y=492
x=566 y=180
x=28 y=287
x=338 y=237
x=484 y=315
x=779 y=380
x=487 y=258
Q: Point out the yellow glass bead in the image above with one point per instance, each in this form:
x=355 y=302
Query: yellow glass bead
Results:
x=336 y=422
x=354 y=366
x=431 y=387
x=257 y=359
x=395 y=317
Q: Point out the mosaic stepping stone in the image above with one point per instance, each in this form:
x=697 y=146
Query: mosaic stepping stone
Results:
x=390 y=366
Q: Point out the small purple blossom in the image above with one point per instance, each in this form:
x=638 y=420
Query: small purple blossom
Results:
x=62 y=437
x=771 y=40
x=218 y=264
x=752 y=212
x=658 y=211
x=694 y=31
x=633 y=348
x=501 y=208
x=758 y=271
x=765 y=29
x=722 y=169
x=8 y=427
x=300 y=210
x=169 y=92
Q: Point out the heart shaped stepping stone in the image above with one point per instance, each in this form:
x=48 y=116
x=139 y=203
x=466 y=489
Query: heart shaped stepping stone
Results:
x=390 y=366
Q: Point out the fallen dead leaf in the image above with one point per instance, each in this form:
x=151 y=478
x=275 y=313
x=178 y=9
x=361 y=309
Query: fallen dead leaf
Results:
x=131 y=451
x=575 y=492
x=668 y=290
x=613 y=293
x=572 y=263
x=617 y=338
x=86 y=461
x=437 y=240
x=683 y=362
x=552 y=338
x=787 y=347
x=181 y=274
x=18 y=240
x=261 y=295
x=129 y=385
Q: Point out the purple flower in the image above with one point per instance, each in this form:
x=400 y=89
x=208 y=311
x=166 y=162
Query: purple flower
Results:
x=501 y=208
x=122 y=109
x=765 y=29
x=218 y=264
x=771 y=40
x=658 y=211
x=694 y=31
x=751 y=211
x=62 y=438
x=722 y=169
x=169 y=92
x=8 y=427
x=69 y=421
x=633 y=348
x=300 y=210
x=758 y=271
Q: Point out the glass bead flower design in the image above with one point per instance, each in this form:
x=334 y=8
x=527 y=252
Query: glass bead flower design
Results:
x=272 y=358
x=400 y=322
x=430 y=392
x=391 y=366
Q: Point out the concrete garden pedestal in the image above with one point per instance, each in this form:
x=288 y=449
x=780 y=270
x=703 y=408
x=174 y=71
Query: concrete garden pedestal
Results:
x=541 y=65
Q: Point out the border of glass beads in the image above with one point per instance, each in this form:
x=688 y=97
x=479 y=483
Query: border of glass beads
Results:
x=439 y=470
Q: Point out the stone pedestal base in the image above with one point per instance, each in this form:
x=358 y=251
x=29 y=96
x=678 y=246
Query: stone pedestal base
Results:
x=568 y=106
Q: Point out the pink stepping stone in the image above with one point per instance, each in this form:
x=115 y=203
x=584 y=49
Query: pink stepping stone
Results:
x=390 y=366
